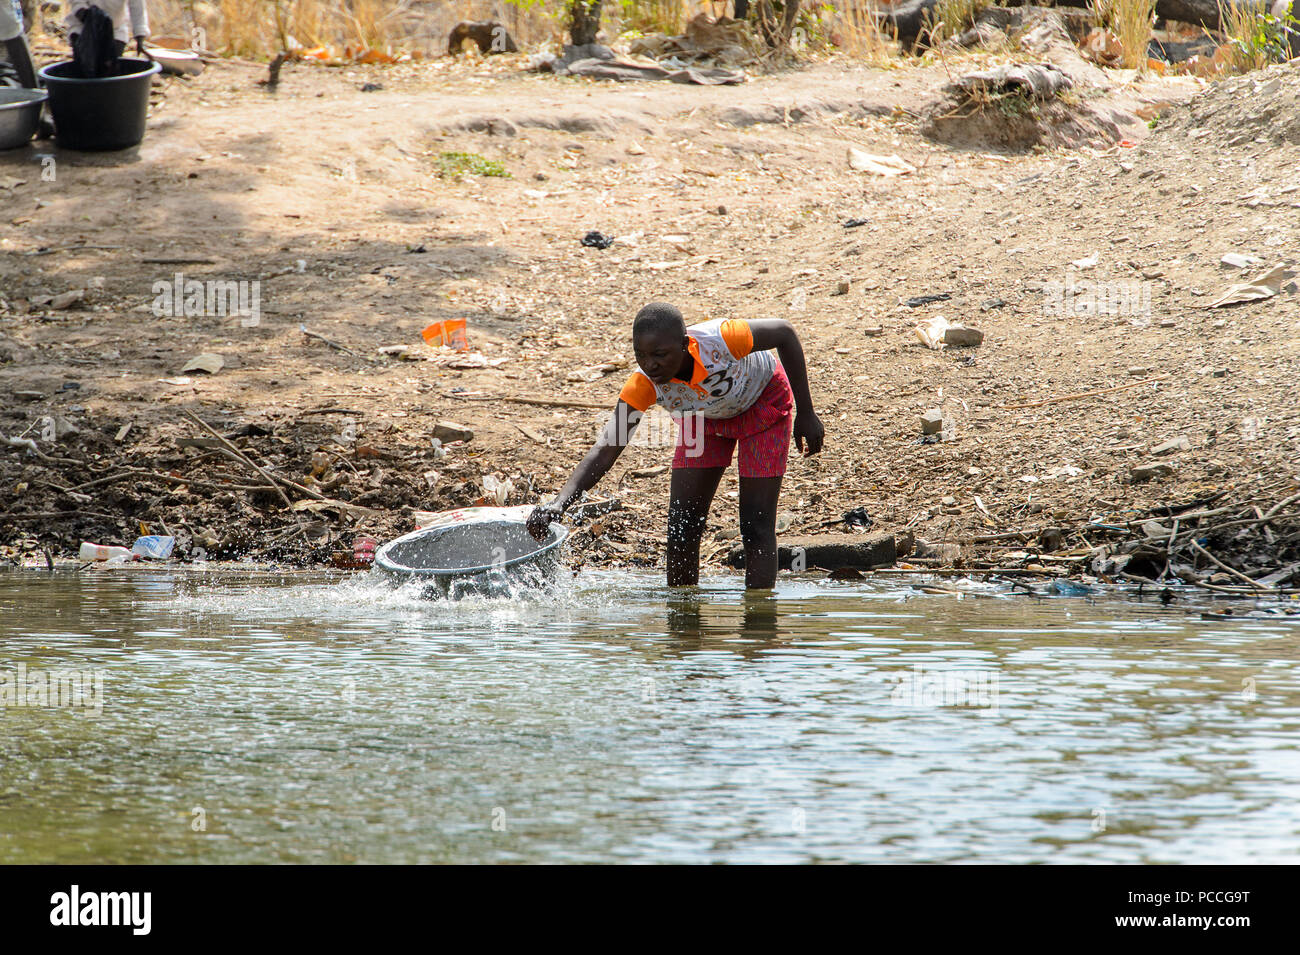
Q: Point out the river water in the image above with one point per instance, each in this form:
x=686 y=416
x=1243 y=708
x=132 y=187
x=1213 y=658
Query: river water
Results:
x=251 y=716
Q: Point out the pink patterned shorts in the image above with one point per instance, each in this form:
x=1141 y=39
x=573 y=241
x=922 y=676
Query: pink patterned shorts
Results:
x=763 y=431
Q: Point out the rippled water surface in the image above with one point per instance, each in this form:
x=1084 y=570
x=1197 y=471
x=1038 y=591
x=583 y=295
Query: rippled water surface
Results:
x=248 y=716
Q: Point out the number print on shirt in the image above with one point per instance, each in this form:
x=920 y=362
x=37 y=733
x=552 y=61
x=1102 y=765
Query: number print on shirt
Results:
x=719 y=383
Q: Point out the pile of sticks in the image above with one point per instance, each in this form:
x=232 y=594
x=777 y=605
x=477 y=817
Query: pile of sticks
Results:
x=1251 y=546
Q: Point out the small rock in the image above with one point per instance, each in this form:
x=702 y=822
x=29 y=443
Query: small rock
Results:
x=841 y=287
x=68 y=299
x=448 y=431
x=1220 y=373
x=1172 y=446
x=873 y=331
x=962 y=336
x=64 y=428
x=1138 y=371
x=1150 y=470
x=932 y=421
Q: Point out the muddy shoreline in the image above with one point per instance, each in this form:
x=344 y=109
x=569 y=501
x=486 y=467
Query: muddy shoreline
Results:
x=1091 y=441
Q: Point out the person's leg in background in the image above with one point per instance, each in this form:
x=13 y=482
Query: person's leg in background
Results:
x=15 y=42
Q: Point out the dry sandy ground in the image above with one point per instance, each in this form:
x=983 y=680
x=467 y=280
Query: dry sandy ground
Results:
x=728 y=201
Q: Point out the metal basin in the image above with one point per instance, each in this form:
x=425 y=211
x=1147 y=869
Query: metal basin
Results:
x=485 y=558
x=20 y=111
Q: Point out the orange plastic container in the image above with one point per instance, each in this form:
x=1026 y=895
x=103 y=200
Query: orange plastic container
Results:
x=452 y=333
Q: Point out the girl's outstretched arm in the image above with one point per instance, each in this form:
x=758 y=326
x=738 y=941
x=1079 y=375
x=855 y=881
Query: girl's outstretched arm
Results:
x=608 y=447
x=809 y=433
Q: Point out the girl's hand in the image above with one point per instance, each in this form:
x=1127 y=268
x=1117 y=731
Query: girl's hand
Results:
x=541 y=519
x=808 y=432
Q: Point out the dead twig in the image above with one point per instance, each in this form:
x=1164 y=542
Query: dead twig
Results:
x=235 y=453
x=332 y=344
x=1218 y=563
x=543 y=402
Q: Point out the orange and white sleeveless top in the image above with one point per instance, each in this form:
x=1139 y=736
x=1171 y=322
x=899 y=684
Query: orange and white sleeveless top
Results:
x=727 y=379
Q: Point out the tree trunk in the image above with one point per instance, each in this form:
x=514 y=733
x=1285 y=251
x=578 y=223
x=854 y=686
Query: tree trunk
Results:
x=909 y=17
x=585 y=21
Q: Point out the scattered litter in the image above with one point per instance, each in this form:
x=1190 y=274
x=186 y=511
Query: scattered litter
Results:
x=878 y=165
x=470 y=360
x=1172 y=446
x=854 y=223
x=938 y=332
x=453 y=333
x=1265 y=285
x=1233 y=260
x=597 y=240
x=1068 y=588
x=628 y=69
x=400 y=352
x=858 y=517
x=103 y=552
x=1087 y=262
x=153 y=546
x=209 y=363
x=919 y=300
x=496 y=489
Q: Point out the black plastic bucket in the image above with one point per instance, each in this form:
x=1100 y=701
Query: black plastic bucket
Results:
x=107 y=112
